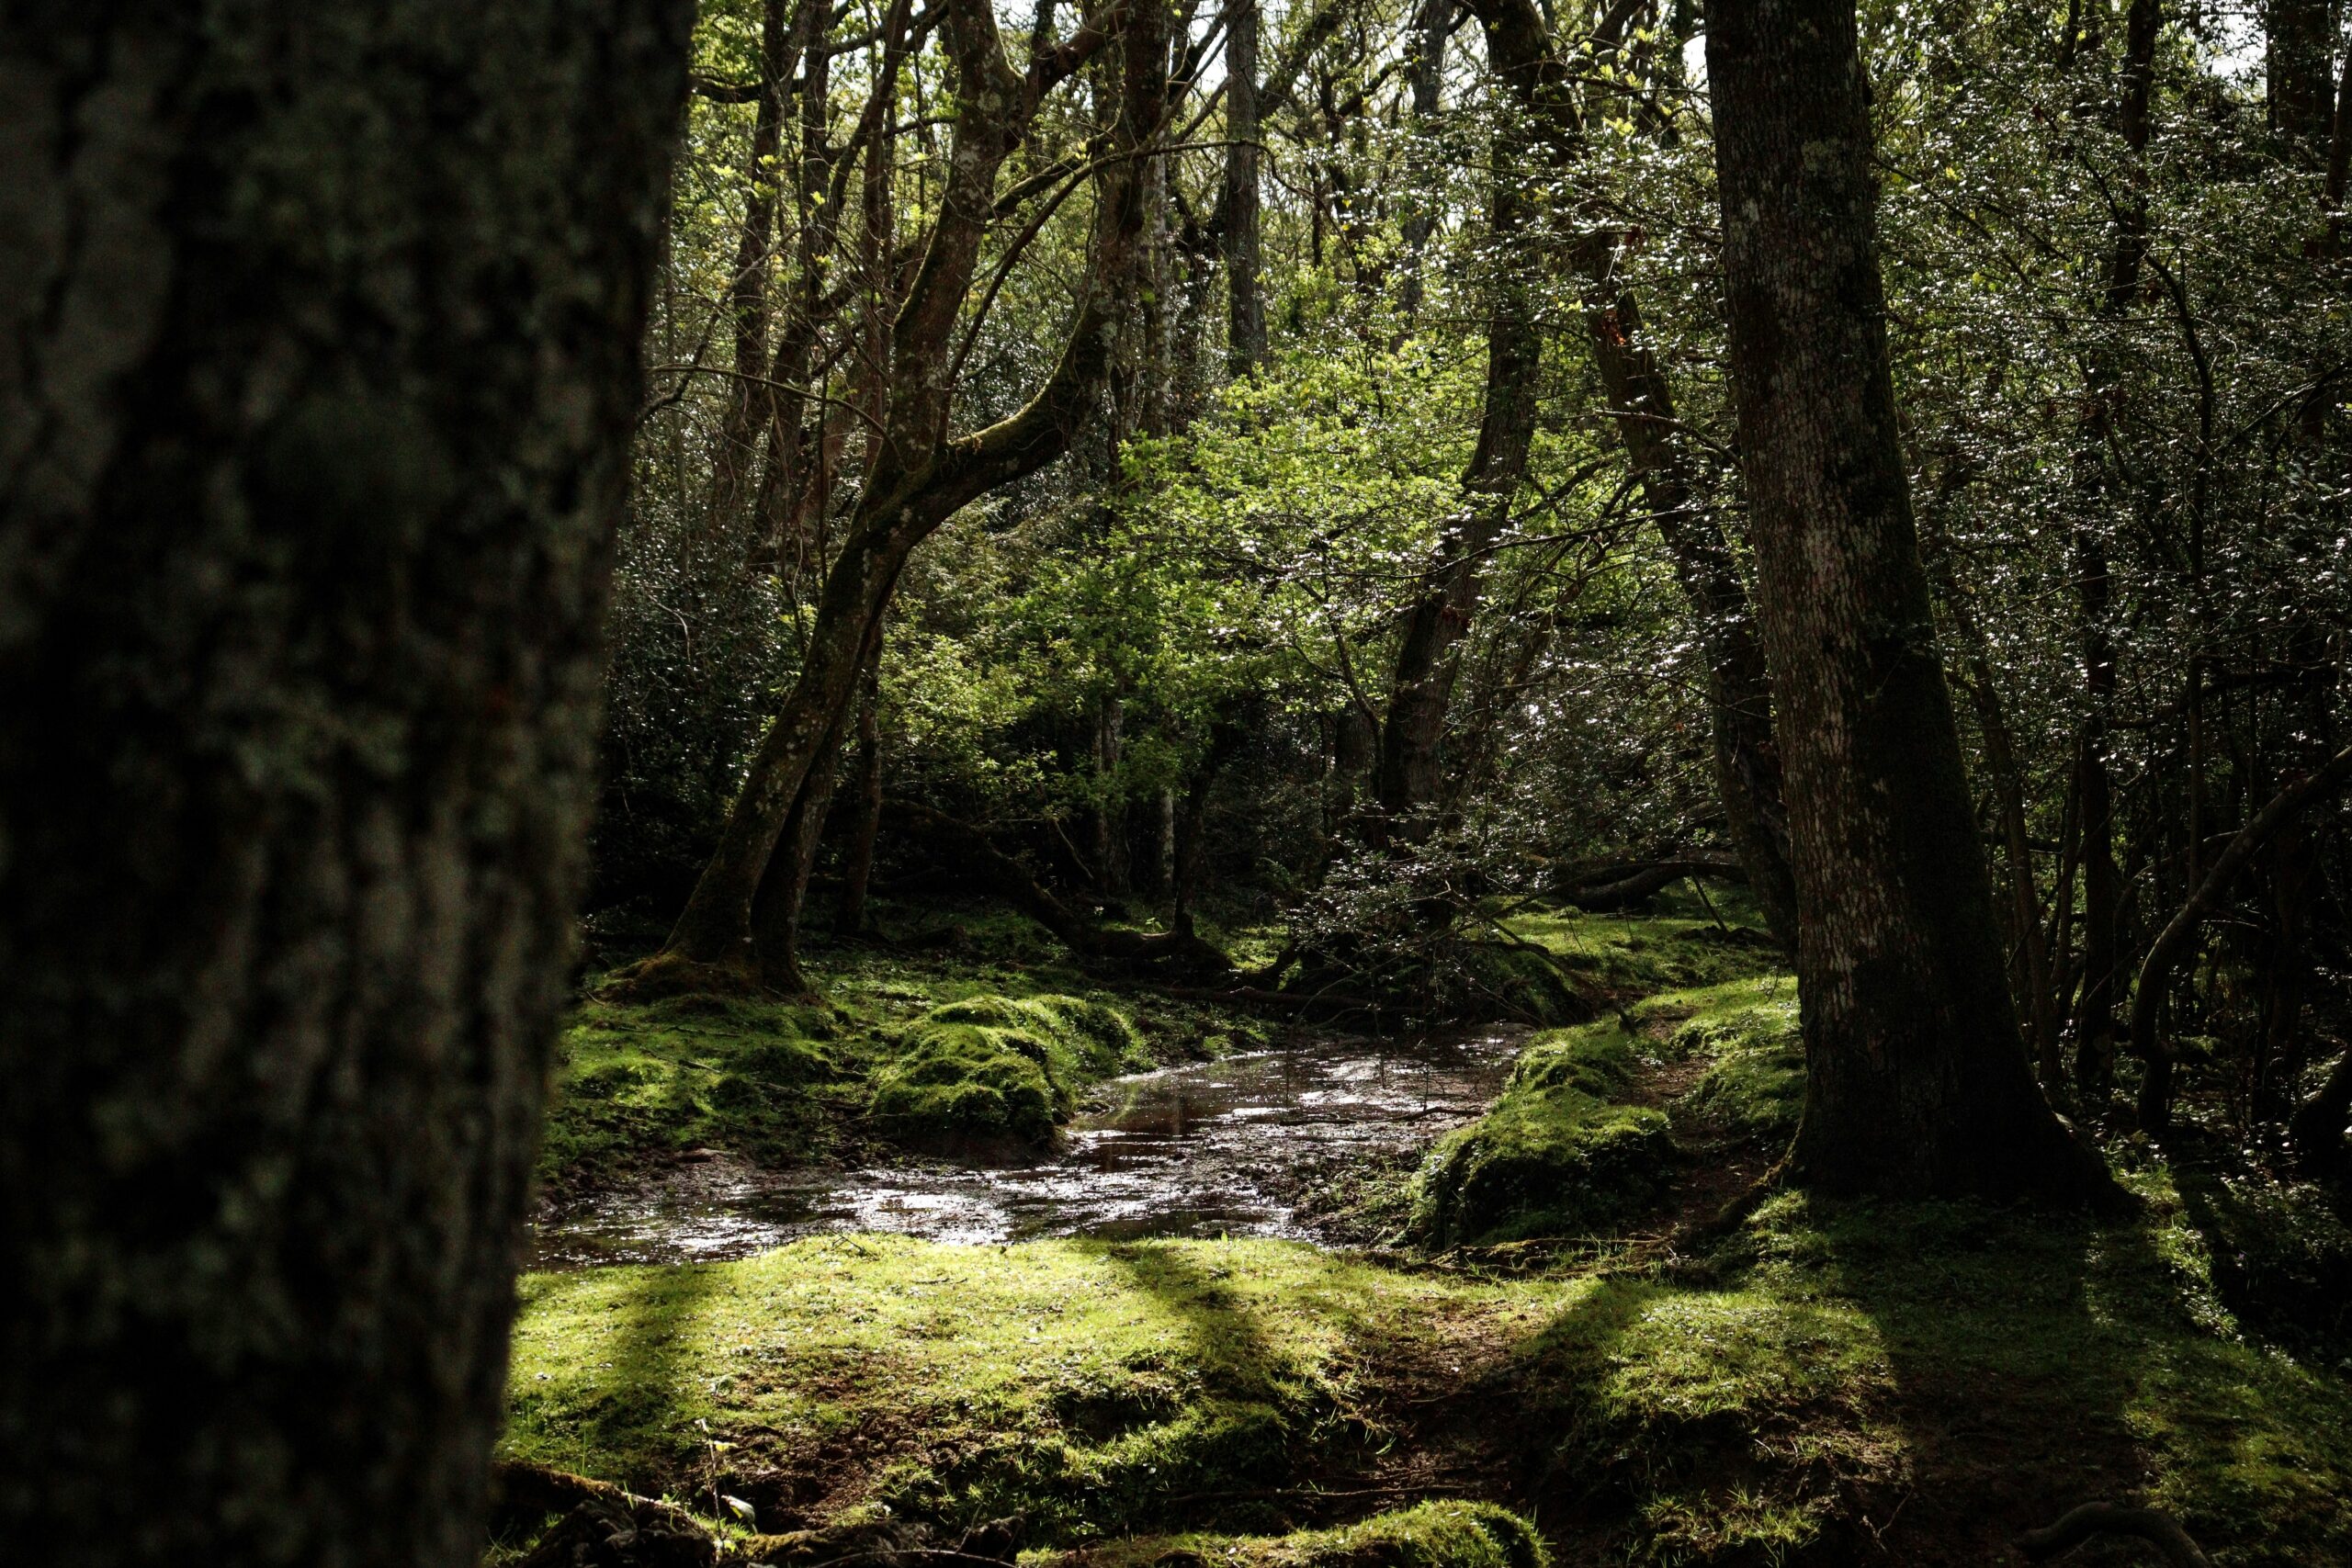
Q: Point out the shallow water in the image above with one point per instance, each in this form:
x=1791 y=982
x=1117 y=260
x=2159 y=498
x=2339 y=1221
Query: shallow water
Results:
x=1217 y=1148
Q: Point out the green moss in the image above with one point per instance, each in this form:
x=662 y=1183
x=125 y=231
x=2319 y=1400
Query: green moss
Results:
x=1627 y=955
x=639 y=1082
x=1556 y=1155
x=1830 y=1362
x=1431 y=1535
x=1753 y=1081
x=994 y=1069
x=1094 y=1388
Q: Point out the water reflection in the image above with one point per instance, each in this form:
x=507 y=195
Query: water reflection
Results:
x=1215 y=1149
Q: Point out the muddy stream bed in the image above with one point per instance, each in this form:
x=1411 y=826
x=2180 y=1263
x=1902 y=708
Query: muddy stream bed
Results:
x=1223 y=1147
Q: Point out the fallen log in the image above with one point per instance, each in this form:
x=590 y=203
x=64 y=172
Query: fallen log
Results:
x=1178 y=951
x=1644 y=883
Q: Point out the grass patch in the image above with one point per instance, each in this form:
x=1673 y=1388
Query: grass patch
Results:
x=1094 y=1389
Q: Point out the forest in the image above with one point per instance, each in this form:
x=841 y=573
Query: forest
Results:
x=1176 y=783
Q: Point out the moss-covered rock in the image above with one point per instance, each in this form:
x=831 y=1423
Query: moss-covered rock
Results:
x=1559 y=1153
x=991 y=1070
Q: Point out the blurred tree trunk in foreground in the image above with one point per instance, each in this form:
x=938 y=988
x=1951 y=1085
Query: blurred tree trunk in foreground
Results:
x=325 y=326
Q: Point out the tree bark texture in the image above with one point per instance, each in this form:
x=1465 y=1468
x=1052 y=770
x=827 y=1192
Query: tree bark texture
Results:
x=921 y=477
x=1917 y=1080
x=1246 y=304
x=324 y=327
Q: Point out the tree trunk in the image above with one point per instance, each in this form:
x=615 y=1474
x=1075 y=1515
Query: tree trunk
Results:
x=2299 y=49
x=783 y=898
x=749 y=396
x=1739 y=688
x=2155 y=969
x=857 y=861
x=1641 y=403
x=325 y=325
x=2094 y=585
x=1245 y=305
x=1420 y=687
x=1432 y=24
x=1917 y=1080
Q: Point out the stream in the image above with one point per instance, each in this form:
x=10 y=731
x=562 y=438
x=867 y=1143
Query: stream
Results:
x=1222 y=1148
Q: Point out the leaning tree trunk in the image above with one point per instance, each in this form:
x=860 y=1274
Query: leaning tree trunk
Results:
x=1641 y=403
x=1917 y=1081
x=324 y=327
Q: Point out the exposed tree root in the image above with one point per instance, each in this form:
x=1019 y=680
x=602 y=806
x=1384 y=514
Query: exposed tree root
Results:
x=2160 y=1530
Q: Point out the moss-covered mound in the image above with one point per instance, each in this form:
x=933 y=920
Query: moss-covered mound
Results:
x=996 y=1069
x=637 y=1082
x=1431 y=1535
x=1566 y=1152
x=1558 y=1154
x=1746 y=1032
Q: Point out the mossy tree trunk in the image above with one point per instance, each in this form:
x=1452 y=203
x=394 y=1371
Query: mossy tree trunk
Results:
x=1916 y=1079
x=324 y=325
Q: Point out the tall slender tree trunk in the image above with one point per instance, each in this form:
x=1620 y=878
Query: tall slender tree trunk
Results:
x=2094 y=1010
x=1246 y=304
x=750 y=396
x=1641 y=405
x=1917 y=1080
x=1432 y=25
x=1739 y=686
x=857 y=860
x=2299 y=61
x=317 y=417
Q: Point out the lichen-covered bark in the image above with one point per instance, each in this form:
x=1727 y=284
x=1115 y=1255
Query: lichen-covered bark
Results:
x=320 y=363
x=1916 y=1079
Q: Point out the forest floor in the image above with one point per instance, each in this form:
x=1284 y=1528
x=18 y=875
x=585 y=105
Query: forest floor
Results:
x=1571 y=1376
